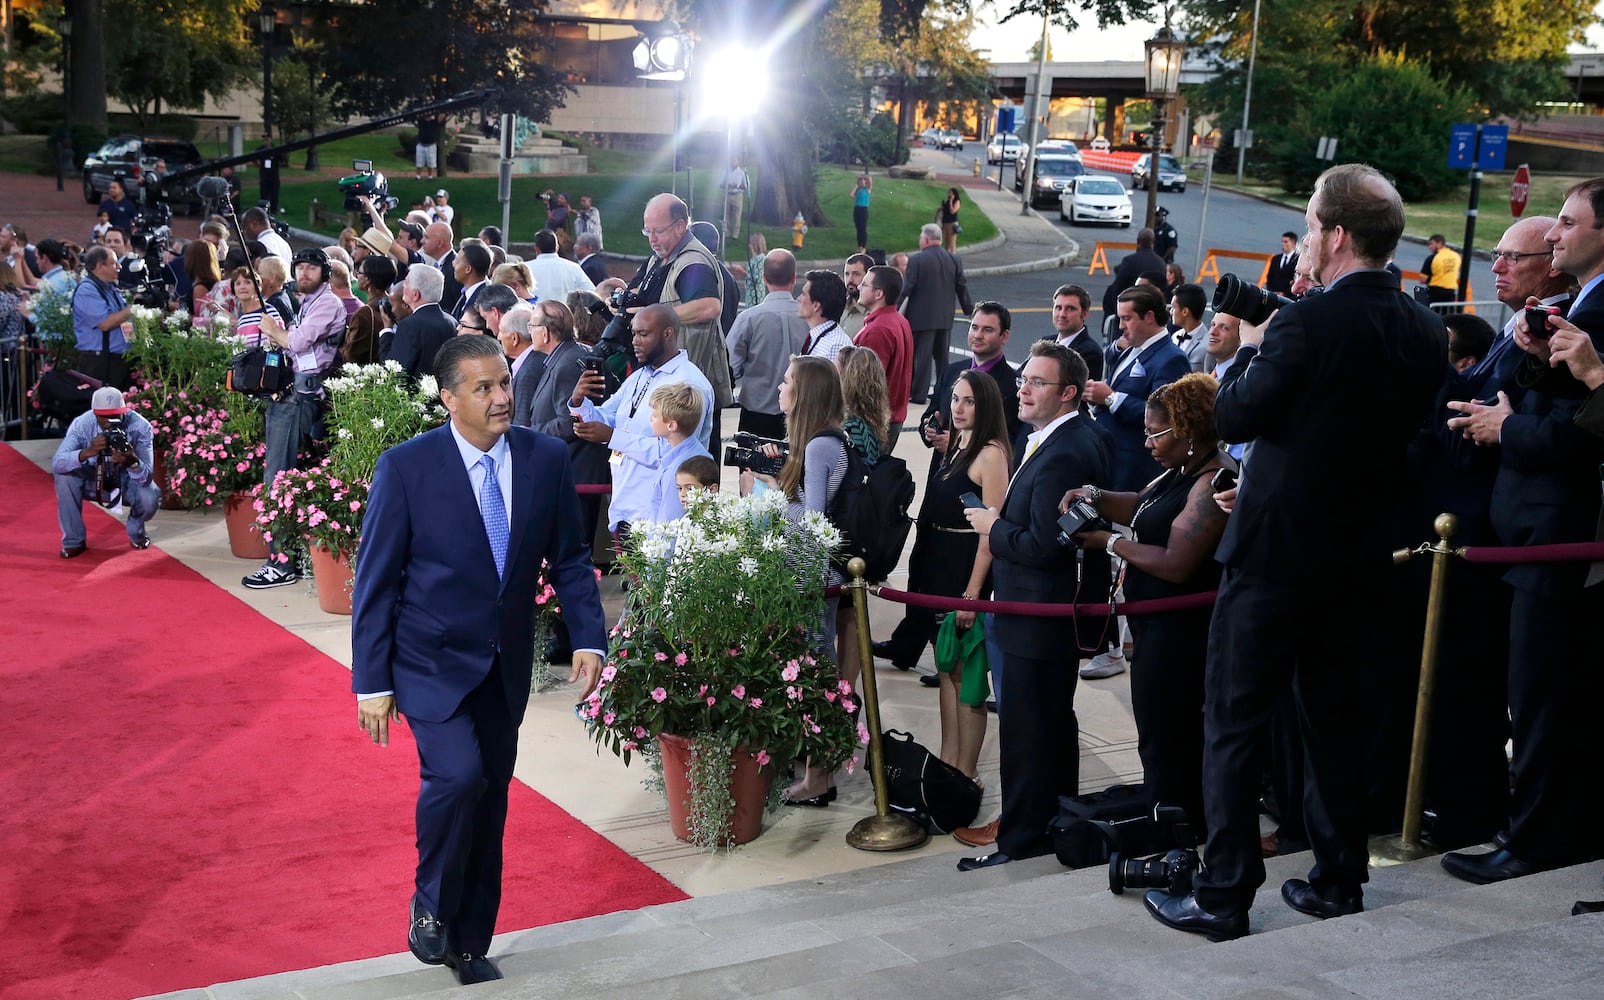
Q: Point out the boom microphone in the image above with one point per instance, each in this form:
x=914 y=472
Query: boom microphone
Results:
x=212 y=188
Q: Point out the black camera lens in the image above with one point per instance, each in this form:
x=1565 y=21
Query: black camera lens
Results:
x=1249 y=303
x=1172 y=873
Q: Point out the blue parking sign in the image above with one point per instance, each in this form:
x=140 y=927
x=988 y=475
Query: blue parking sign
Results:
x=1462 y=147
x=1494 y=144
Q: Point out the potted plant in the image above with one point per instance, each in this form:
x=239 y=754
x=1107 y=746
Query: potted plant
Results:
x=714 y=669
x=179 y=370
x=215 y=460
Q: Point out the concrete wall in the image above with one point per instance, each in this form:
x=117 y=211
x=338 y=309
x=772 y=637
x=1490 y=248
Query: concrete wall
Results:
x=641 y=110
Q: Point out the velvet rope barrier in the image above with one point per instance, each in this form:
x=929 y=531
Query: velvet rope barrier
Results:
x=592 y=489
x=1185 y=602
x=1511 y=555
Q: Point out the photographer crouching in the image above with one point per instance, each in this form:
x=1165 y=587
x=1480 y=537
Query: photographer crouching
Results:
x=105 y=456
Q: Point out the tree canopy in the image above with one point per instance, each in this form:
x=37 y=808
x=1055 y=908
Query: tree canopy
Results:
x=176 y=52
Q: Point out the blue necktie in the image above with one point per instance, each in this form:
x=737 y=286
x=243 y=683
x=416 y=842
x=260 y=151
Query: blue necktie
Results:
x=494 y=510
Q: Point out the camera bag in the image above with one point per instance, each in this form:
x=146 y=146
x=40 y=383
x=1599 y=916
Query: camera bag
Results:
x=62 y=394
x=871 y=510
x=258 y=371
x=1078 y=840
x=926 y=788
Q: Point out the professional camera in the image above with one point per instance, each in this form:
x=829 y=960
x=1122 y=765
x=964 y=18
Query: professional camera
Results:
x=1173 y=872
x=1081 y=516
x=116 y=434
x=1248 y=303
x=107 y=487
x=366 y=181
x=747 y=453
x=150 y=282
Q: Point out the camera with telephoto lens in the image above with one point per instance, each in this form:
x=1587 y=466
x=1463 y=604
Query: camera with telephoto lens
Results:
x=150 y=282
x=747 y=453
x=1248 y=303
x=1081 y=516
x=1173 y=872
x=366 y=181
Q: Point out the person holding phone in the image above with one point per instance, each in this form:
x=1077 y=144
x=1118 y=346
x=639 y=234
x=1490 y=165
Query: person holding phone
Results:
x=1176 y=527
x=951 y=560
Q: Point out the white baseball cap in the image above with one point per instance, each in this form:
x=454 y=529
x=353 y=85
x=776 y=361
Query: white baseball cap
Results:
x=108 y=401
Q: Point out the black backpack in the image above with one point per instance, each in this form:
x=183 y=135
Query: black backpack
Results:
x=871 y=511
x=926 y=788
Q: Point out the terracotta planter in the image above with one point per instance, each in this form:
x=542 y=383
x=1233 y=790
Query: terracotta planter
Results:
x=749 y=787
x=333 y=576
x=244 y=536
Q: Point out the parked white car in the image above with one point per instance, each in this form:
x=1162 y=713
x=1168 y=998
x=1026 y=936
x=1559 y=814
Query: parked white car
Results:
x=1095 y=199
x=1006 y=146
x=1100 y=145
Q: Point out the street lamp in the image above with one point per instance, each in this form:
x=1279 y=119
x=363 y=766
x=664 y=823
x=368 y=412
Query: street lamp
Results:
x=1164 y=52
x=266 y=18
x=734 y=85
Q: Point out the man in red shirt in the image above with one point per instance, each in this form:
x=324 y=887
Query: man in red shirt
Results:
x=887 y=334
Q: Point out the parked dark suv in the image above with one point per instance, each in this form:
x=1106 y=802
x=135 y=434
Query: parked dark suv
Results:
x=128 y=157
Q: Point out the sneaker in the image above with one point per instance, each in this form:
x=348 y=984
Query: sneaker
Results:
x=271 y=575
x=1103 y=665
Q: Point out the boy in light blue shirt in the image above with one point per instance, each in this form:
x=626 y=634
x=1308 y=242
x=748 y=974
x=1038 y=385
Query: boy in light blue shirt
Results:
x=676 y=410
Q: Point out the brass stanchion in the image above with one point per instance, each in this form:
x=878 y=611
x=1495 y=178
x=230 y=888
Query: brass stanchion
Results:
x=882 y=831
x=1407 y=846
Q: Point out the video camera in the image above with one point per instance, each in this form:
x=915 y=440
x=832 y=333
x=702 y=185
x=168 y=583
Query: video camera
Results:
x=151 y=283
x=366 y=181
x=1081 y=516
x=1249 y=303
x=747 y=453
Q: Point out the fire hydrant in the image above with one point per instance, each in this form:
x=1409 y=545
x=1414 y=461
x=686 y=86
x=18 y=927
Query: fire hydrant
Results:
x=977 y=167
x=799 y=229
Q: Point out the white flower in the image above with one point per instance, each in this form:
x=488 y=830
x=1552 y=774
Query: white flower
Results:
x=749 y=566
x=378 y=423
x=428 y=386
x=391 y=365
x=344 y=433
x=351 y=368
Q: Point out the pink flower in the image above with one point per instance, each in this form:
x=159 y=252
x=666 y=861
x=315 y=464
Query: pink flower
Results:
x=829 y=696
x=843 y=687
x=659 y=695
x=847 y=704
x=791 y=672
x=762 y=758
x=701 y=690
x=738 y=690
x=631 y=745
x=640 y=732
x=609 y=718
x=711 y=701
x=355 y=504
x=756 y=703
x=793 y=693
x=852 y=765
x=609 y=672
x=660 y=657
x=679 y=660
x=863 y=733
x=242 y=466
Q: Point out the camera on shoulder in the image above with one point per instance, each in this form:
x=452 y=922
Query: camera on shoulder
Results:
x=747 y=453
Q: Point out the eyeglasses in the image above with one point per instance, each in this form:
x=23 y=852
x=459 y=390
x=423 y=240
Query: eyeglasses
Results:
x=1515 y=256
x=651 y=231
x=472 y=326
x=1033 y=382
x=1158 y=434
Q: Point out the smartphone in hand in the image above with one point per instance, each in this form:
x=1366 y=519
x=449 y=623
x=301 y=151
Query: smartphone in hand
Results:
x=970 y=500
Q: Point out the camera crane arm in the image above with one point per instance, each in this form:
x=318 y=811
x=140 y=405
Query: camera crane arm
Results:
x=471 y=98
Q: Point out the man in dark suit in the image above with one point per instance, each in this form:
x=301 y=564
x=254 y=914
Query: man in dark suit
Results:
x=1290 y=585
x=437 y=253
x=1072 y=304
x=587 y=251
x=470 y=267
x=1151 y=360
x=1283 y=266
x=1547 y=492
x=988 y=335
x=546 y=407
x=1038 y=737
x=933 y=282
x=421 y=334
x=459 y=521
x=1143 y=261
x=517 y=335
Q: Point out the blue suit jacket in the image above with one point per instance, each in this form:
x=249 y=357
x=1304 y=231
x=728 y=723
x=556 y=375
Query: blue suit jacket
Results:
x=429 y=613
x=1159 y=362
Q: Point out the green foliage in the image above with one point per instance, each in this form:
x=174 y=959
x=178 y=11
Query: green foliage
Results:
x=1361 y=110
x=176 y=52
x=872 y=142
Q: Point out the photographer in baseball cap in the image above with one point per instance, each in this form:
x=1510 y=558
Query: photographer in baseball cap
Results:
x=105 y=455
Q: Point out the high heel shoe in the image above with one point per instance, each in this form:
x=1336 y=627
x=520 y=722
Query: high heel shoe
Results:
x=815 y=801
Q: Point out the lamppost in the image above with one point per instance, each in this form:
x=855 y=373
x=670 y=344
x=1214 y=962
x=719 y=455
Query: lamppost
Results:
x=266 y=18
x=1164 y=52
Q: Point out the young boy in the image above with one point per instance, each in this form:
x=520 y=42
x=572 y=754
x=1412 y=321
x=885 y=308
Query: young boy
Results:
x=698 y=472
x=102 y=225
x=676 y=410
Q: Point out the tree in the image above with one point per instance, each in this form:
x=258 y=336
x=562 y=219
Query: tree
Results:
x=413 y=51
x=300 y=105
x=1034 y=54
x=177 y=52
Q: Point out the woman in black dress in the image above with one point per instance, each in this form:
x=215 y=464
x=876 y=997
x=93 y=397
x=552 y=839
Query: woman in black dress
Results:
x=950 y=560
x=947 y=215
x=1176 y=527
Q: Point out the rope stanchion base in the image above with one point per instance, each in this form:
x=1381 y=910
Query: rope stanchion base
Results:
x=886 y=833
x=1391 y=849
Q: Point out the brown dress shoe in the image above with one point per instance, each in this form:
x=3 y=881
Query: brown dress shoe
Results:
x=1269 y=845
x=977 y=836
x=68 y=551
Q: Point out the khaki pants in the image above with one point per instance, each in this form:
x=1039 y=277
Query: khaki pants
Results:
x=734 y=204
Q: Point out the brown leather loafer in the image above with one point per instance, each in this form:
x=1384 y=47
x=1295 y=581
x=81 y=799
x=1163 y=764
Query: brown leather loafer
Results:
x=977 y=836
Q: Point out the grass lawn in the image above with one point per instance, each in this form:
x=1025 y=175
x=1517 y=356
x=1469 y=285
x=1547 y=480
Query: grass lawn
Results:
x=1447 y=215
x=23 y=154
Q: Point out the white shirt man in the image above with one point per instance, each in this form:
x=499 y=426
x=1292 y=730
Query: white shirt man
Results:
x=556 y=276
x=441 y=212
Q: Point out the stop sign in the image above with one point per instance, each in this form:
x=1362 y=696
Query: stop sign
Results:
x=1519 y=190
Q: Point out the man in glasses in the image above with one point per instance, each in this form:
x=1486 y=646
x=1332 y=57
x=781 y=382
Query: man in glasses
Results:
x=420 y=335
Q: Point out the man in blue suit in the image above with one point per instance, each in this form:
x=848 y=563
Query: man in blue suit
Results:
x=459 y=522
x=1151 y=360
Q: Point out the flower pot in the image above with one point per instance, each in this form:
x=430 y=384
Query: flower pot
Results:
x=244 y=537
x=749 y=788
x=333 y=576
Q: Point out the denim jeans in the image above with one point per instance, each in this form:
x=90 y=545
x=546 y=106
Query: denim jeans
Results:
x=142 y=501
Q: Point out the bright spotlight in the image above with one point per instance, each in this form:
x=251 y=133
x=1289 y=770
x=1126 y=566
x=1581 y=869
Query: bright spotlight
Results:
x=664 y=57
x=734 y=82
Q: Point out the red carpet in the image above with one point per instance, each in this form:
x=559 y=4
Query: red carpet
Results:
x=187 y=799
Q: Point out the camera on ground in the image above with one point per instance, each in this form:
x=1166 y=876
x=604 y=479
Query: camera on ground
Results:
x=1173 y=872
x=747 y=453
x=1248 y=303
